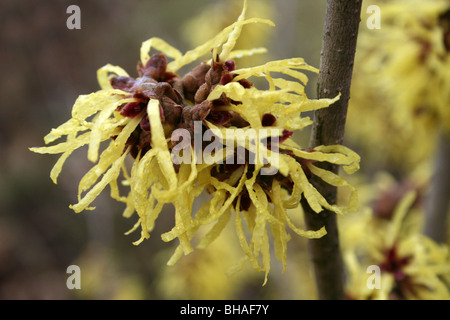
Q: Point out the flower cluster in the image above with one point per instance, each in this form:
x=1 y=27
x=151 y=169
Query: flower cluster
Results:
x=402 y=80
x=387 y=234
x=146 y=116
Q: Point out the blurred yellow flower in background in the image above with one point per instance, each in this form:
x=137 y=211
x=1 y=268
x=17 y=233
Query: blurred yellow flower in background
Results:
x=204 y=274
x=401 y=88
x=103 y=276
x=411 y=265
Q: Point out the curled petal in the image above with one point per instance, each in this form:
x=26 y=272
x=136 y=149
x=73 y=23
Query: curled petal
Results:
x=159 y=45
x=106 y=73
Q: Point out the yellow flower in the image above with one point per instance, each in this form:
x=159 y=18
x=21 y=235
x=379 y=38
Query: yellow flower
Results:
x=401 y=92
x=414 y=60
x=412 y=266
x=164 y=122
x=217 y=16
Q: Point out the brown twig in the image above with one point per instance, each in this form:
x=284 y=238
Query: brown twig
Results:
x=437 y=205
x=336 y=66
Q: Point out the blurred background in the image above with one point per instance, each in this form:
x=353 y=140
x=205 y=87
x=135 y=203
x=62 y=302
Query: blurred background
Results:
x=44 y=67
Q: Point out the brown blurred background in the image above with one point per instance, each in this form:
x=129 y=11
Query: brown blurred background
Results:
x=44 y=67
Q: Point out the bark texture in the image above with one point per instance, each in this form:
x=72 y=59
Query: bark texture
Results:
x=336 y=67
x=437 y=205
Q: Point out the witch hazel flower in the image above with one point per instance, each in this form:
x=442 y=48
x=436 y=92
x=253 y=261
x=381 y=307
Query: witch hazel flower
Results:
x=211 y=131
x=409 y=60
x=411 y=265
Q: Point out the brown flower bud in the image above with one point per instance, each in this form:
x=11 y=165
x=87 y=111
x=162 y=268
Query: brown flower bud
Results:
x=193 y=80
